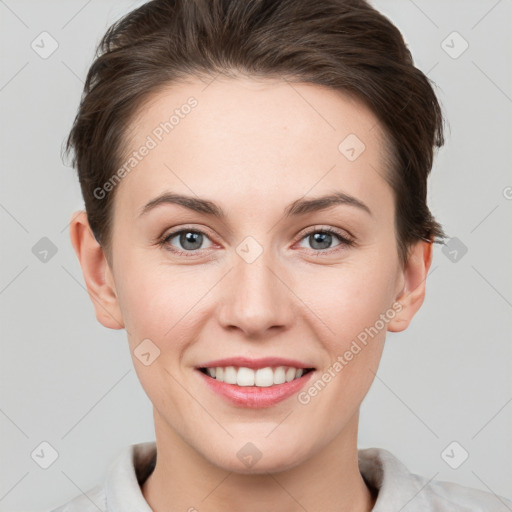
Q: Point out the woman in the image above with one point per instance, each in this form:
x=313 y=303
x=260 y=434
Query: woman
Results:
x=255 y=181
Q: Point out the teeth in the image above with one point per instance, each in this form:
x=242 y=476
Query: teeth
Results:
x=290 y=374
x=263 y=377
x=245 y=377
x=279 y=375
x=230 y=375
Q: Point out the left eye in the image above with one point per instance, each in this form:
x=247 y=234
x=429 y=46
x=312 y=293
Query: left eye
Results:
x=323 y=239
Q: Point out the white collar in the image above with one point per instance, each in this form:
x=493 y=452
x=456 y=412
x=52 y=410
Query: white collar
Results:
x=398 y=488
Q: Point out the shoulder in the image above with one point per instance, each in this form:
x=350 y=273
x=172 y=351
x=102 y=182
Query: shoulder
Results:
x=120 y=491
x=452 y=496
x=399 y=488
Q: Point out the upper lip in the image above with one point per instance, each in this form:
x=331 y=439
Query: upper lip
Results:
x=263 y=362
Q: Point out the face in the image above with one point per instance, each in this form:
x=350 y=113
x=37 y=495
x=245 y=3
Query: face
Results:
x=276 y=276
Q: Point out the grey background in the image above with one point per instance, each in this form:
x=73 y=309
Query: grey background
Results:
x=67 y=380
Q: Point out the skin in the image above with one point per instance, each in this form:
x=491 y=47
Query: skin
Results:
x=253 y=147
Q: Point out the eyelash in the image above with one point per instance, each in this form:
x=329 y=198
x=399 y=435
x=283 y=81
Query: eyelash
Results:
x=344 y=241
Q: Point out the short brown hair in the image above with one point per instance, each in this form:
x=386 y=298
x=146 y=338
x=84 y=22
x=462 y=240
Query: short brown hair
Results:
x=346 y=45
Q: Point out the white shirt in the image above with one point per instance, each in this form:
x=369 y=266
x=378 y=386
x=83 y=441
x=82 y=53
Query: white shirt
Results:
x=399 y=490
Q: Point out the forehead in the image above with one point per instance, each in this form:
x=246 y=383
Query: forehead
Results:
x=252 y=136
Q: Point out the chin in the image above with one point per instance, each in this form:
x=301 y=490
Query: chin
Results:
x=249 y=460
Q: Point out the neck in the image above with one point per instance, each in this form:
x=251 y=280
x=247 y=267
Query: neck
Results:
x=329 y=481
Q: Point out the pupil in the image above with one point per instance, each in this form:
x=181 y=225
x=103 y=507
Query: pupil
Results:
x=190 y=237
x=321 y=237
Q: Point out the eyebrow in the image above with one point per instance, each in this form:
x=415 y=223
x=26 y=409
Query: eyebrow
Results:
x=298 y=207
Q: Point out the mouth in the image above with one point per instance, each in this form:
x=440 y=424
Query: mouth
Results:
x=243 y=376
x=255 y=383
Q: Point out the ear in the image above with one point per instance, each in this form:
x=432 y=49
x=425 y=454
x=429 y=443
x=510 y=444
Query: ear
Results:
x=413 y=277
x=96 y=271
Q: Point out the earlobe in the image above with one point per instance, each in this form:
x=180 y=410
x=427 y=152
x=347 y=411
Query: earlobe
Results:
x=414 y=275
x=96 y=272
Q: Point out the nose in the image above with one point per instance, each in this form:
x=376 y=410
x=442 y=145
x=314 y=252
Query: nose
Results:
x=256 y=298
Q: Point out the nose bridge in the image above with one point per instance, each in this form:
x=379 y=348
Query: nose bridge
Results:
x=256 y=299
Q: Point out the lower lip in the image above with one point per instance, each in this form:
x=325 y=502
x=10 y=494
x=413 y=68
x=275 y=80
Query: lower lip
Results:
x=253 y=396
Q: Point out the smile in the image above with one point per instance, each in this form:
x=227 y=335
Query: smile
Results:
x=255 y=383
x=262 y=377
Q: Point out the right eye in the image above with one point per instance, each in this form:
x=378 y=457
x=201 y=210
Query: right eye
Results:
x=189 y=239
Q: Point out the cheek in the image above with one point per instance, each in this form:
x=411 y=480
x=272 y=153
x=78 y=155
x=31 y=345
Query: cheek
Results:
x=166 y=305
x=158 y=307
x=349 y=298
x=357 y=312
x=153 y=297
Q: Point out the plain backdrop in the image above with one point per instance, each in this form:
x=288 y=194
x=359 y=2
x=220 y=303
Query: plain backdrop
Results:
x=69 y=382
